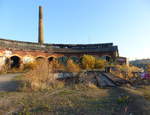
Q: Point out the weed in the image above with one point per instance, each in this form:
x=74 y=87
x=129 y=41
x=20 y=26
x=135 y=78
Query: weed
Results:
x=123 y=100
x=41 y=78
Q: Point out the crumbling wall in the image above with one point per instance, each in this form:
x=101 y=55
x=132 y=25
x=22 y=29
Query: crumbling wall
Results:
x=29 y=51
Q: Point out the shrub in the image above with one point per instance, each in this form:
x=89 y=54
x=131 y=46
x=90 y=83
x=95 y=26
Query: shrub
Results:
x=100 y=64
x=148 y=68
x=88 y=62
x=124 y=71
x=56 y=66
x=41 y=77
x=30 y=65
x=7 y=69
x=72 y=67
x=4 y=69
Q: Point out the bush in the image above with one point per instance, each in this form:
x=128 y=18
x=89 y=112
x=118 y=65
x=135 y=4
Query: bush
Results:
x=88 y=62
x=42 y=77
x=126 y=72
x=4 y=69
x=148 y=68
x=100 y=64
x=30 y=65
x=56 y=66
x=72 y=67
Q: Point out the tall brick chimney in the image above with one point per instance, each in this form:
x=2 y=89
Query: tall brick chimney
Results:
x=41 y=31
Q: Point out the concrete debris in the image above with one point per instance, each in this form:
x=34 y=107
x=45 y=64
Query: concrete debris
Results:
x=98 y=78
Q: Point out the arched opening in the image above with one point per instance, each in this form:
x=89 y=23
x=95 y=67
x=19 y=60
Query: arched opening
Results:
x=107 y=58
x=15 y=62
x=40 y=59
x=63 y=60
x=51 y=59
x=75 y=59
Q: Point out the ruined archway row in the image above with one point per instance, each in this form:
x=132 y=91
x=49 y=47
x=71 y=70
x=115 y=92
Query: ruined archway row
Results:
x=15 y=61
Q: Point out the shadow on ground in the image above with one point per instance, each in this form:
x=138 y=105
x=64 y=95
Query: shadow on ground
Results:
x=118 y=102
x=9 y=86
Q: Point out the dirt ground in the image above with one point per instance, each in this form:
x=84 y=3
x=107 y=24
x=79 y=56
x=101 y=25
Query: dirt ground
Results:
x=73 y=100
x=7 y=83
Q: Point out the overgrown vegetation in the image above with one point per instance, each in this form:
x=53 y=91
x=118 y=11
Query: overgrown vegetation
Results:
x=76 y=100
x=90 y=62
x=40 y=75
x=68 y=100
x=125 y=71
x=41 y=78
x=72 y=67
x=42 y=93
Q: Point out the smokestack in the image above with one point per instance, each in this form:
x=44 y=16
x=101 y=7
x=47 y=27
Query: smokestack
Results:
x=41 y=31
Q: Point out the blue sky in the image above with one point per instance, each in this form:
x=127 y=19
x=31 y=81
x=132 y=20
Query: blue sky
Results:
x=126 y=23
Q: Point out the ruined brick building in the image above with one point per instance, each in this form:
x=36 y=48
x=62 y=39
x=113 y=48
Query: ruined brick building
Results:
x=19 y=52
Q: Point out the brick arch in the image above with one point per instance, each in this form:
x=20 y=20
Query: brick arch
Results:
x=51 y=58
x=39 y=58
x=106 y=57
x=16 y=55
x=15 y=61
x=76 y=59
x=63 y=59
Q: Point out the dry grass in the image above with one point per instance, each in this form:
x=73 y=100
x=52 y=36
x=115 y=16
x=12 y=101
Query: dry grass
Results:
x=72 y=67
x=125 y=72
x=6 y=69
x=3 y=69
x=41 y=78
x=69 y=100
x=100 y=64
x=56 y=66
x=30 y=65
x=74 y=100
